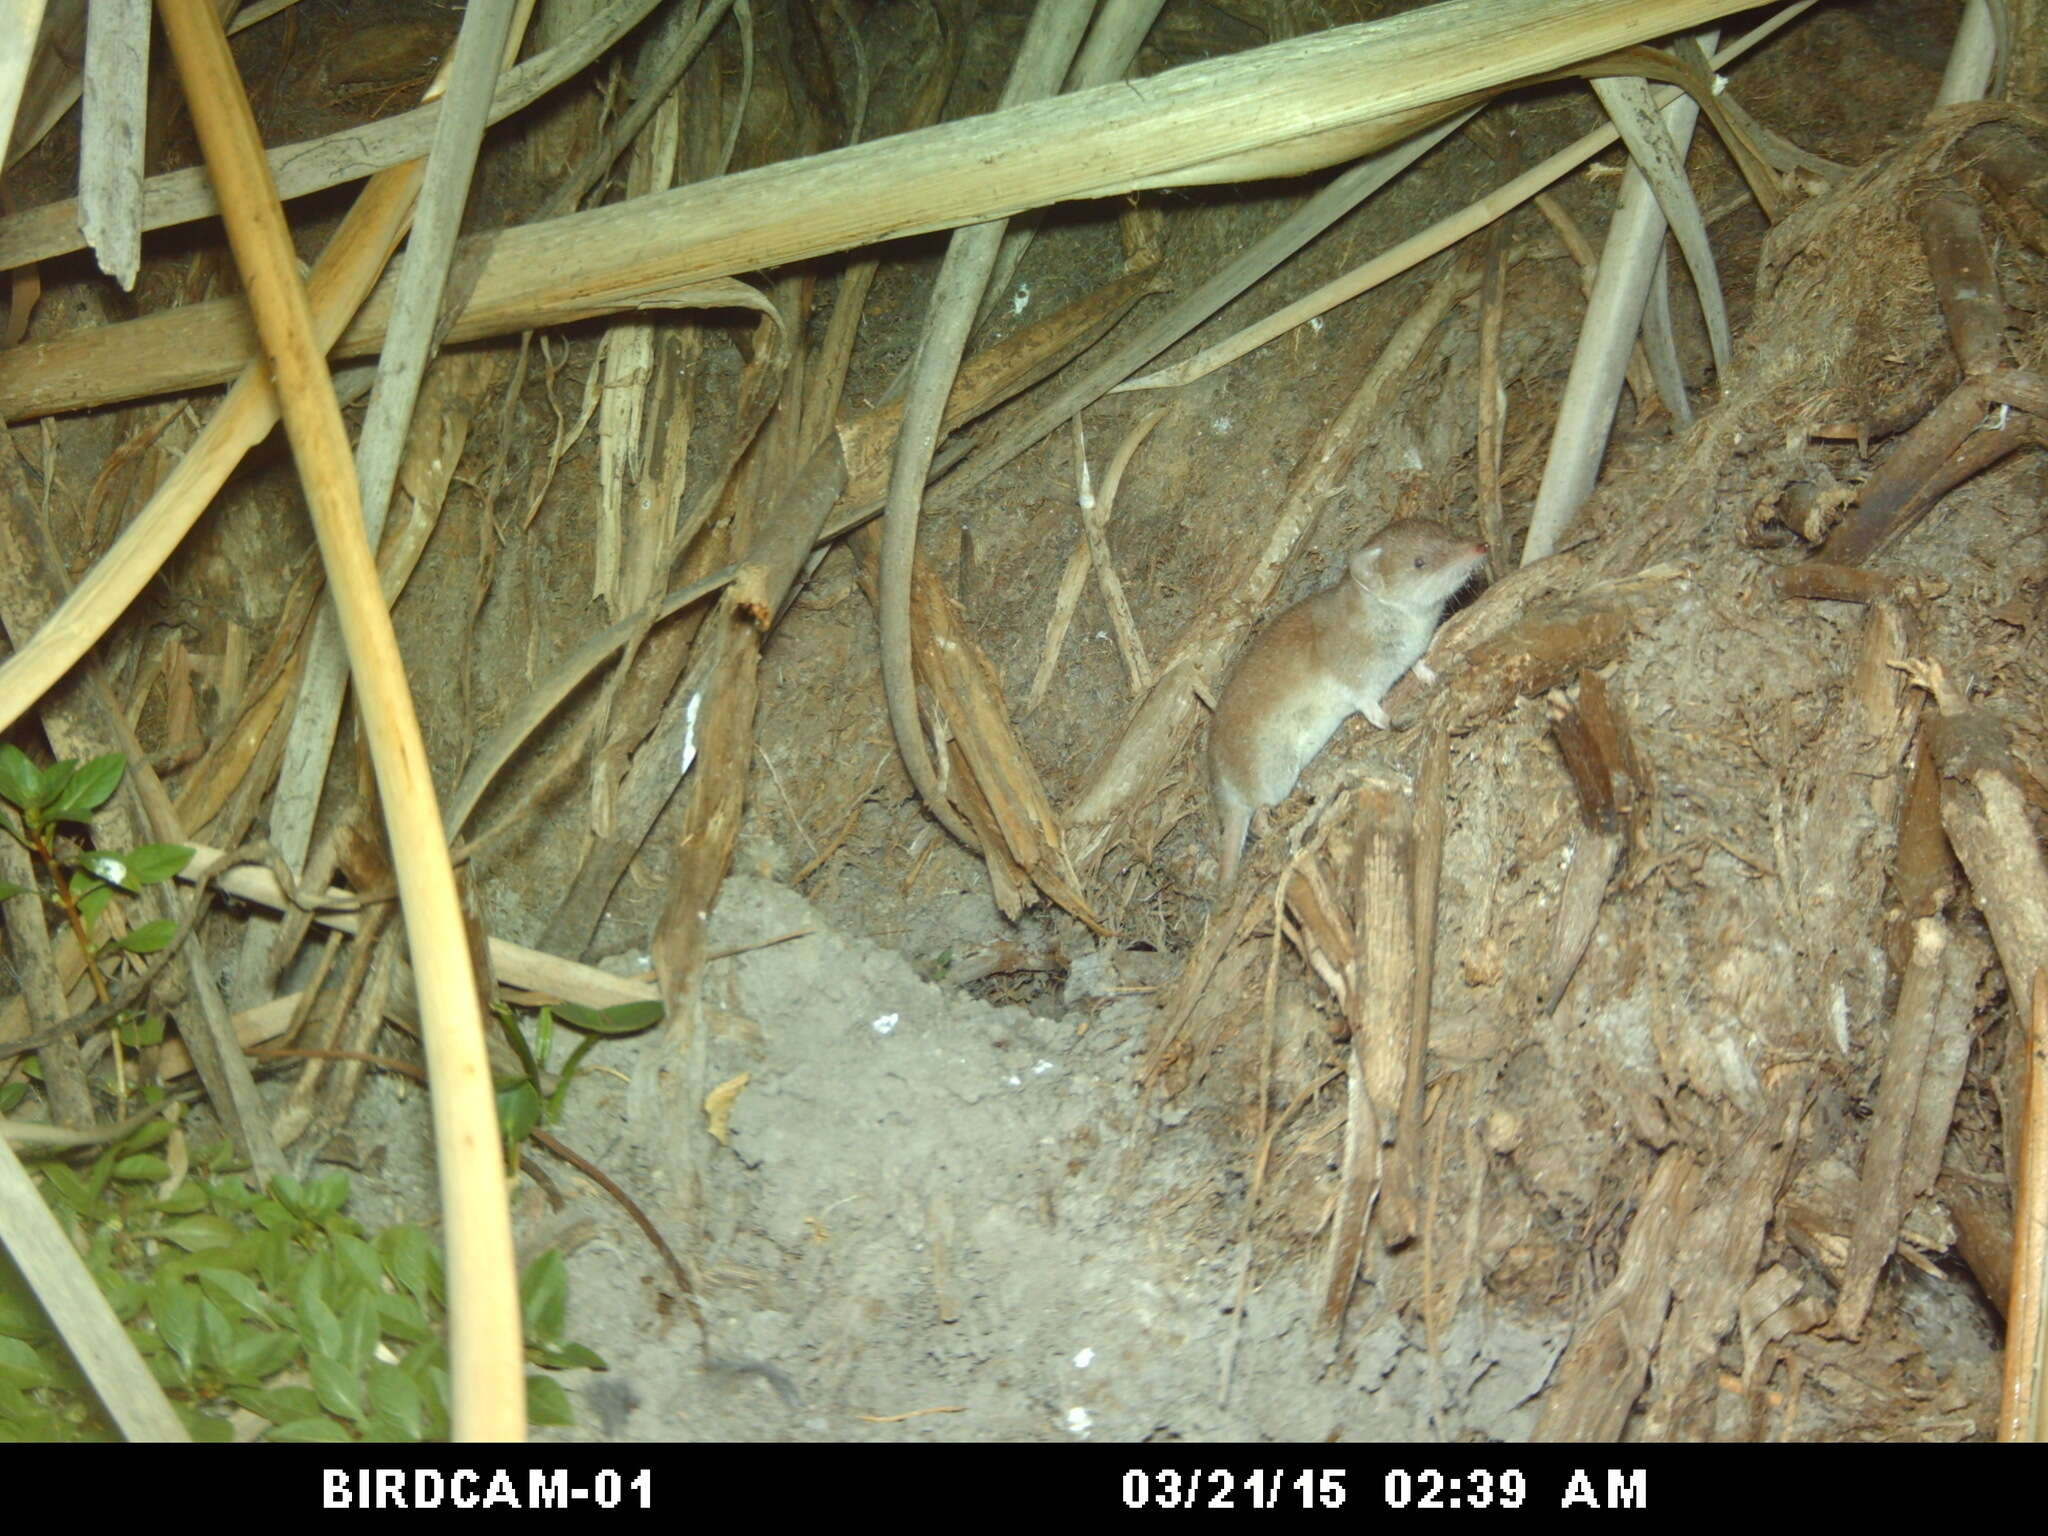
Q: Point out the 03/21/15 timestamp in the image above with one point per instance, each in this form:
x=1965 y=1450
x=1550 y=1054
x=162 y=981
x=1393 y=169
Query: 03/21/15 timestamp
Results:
x=1240 y=1487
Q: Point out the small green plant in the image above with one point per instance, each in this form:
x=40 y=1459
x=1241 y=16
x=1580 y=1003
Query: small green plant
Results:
x=525 y=1102
x=269 y=1300
x=79 y=882
x=272 y=1300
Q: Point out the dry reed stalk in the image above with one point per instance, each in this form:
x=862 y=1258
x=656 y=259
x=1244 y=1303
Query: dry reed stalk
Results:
x=485 y=1333
x=1600 y=1375
x=111 y=131
x=1402 y=1204
x=18 y=31
x=1377 y=1007
x=1026 y=847
x=1493 y=403
x=1095 y=515
x=1284 y=109
x=348 y=154
x=347 y=268
x=1984 y=811
x=1882 y=1195
x=484 y=42
x=1050 y=42
x=2024 y=1398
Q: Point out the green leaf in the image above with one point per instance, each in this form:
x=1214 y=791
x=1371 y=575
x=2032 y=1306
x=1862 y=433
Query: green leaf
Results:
x=175 y=1307
x=152 y=1133
x=325 y=1195
x=142 y=1168
x=509 y=1026
x=360 y=1329
x=20 y=1317
x=569 y=1357
x=280 y=1405
x=240 y=1257
x=260 y=1354
x=21 y=1366
x=9 y=890
x=216 y=1334
x=519 y=1110
x=18 y=777
x=71 y=1191
x=188 y=1199
x=102 y=1171
x=154 y=863
x=230 y=1193
x=318 y=1323
x=358 y=1261
x=205 y=1428
x=235 y=1292
x=403 y=1318
x=274 y=1260
x=171 y=1373
x=425 y=1367
x=50 y=784
x=439 y=1425
x=546 y=1402
x=88 y=788
x=619 y=1019
x=544 y=1295
x=395 y=1398
x=138 y=1032
x=412 y=1259
x=125 y=1296
x=150 y=937
x=92 y=903
x=204 y=1230
x=339 y=1389
x=325 y=1431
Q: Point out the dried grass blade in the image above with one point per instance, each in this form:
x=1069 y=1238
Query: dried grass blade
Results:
x=483 y=44
x=1635 y=117
x=486 y=1338
x=111 y=130
x=348 y=154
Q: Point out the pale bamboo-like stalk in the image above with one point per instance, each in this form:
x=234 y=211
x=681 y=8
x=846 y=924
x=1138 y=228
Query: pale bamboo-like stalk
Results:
x=1425 y=243
x=1585 y=416
x=18 y=29
x=1972 y=58
x=486 y=1358
x=1048 y=48
x=401 y=369
x=1279 y=110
